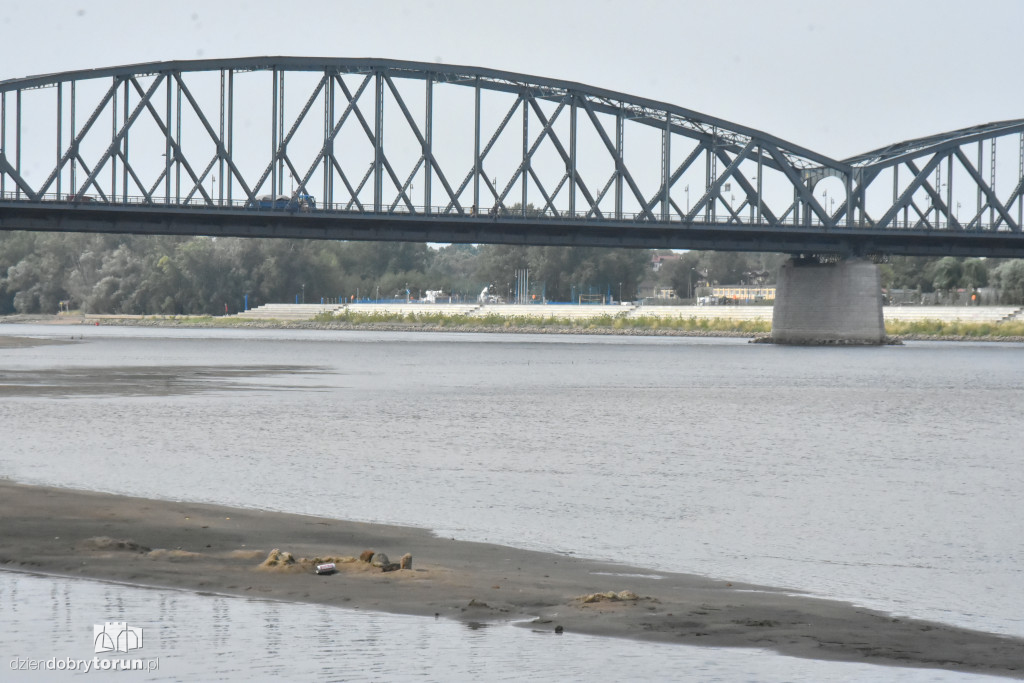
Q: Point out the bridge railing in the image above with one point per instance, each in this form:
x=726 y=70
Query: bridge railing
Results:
x=442 y=211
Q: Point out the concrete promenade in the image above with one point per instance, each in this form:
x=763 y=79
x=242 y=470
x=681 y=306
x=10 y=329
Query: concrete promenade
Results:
x=980 y=314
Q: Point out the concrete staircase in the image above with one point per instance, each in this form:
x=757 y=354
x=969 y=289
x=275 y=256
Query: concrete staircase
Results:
x=1018 y=314
x=967 y=314
x=287 y=311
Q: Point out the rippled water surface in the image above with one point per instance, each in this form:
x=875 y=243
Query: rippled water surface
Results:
x=189 y=637
x=888 y=476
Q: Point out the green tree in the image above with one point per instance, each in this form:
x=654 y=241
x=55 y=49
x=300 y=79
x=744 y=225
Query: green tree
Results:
x=685 y=274
x=907 y=272
x=1009 y=278
x=975 y=273
x=946 y=273
x=725 y=267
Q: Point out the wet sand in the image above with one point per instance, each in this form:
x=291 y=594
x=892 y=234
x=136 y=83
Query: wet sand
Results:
x=27 y=342
x=220 y=549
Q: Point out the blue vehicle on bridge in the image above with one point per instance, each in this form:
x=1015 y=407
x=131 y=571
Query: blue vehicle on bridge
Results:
x=298 y=202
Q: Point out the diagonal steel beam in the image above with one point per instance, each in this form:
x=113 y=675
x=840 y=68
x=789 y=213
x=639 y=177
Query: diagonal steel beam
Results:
x=327 y=150
x=156 y=184
x=176 y=151
x=407 y=183
x=131 y=172
x=602 y=193
x=798 y=185
x=525 y=169
x=558 y=188
x=922 y=217
x=935 y=197
x=548 y=201
x=671 y=180
x=279 y=153
x=857 y=194
x=908 y=193
x=478 y=162
x=72 y=150
x=353 y=196
x=715 y=189
x=359 y=188
x=620 y=164
x=116 y=142
x=989 y=194
x=566 y=158
x=6 y=168
x=428 y=153
x=373 y=140
x=199 y=185
x=749 y=189
x=81 y=192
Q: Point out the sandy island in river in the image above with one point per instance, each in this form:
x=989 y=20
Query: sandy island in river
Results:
x=219 y=549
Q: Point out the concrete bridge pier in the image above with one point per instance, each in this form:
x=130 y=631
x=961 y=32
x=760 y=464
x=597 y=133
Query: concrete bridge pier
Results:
x=828 y=303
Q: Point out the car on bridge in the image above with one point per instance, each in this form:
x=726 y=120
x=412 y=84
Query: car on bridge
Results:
x=298 y=202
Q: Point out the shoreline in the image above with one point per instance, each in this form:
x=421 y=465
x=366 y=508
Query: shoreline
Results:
x=213 y=322
x=383 y=326
x=212 y=548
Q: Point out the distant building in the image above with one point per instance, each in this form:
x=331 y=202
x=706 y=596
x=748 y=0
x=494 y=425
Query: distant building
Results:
x=660 y=258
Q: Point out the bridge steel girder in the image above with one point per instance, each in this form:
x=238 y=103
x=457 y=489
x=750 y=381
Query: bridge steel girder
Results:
x=587 y=165
x=453 y=228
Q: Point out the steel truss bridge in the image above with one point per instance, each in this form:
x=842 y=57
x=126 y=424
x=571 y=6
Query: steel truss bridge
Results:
x=396 y=150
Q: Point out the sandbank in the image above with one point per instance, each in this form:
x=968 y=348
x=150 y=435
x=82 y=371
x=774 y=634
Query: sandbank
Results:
x=218 y=549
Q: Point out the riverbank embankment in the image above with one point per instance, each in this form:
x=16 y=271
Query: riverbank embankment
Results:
x=754 y=322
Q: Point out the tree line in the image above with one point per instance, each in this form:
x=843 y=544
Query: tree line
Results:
x=135 y=274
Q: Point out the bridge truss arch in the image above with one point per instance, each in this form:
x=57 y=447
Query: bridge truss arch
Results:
x=430 y=152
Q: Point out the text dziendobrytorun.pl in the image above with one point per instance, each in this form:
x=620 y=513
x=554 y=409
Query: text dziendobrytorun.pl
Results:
x=84 y=665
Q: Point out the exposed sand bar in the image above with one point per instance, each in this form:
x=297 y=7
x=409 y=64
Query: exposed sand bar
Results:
x=219 y=549
x=27 y=342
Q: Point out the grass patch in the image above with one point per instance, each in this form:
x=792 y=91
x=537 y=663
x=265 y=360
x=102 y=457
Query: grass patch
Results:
x=497 y=321
x=969 y=330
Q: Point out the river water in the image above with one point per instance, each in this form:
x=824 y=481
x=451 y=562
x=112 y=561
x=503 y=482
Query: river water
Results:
x=887 y=476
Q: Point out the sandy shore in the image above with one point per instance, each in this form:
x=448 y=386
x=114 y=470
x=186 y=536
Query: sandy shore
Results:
x=405 y=326
x=219 y=549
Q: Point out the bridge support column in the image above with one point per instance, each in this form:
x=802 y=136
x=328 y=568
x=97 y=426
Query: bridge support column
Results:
x=830 y=303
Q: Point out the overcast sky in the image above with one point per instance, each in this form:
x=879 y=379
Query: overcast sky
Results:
x=838 y=77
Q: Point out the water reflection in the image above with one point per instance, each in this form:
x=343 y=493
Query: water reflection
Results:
x=247 y=640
